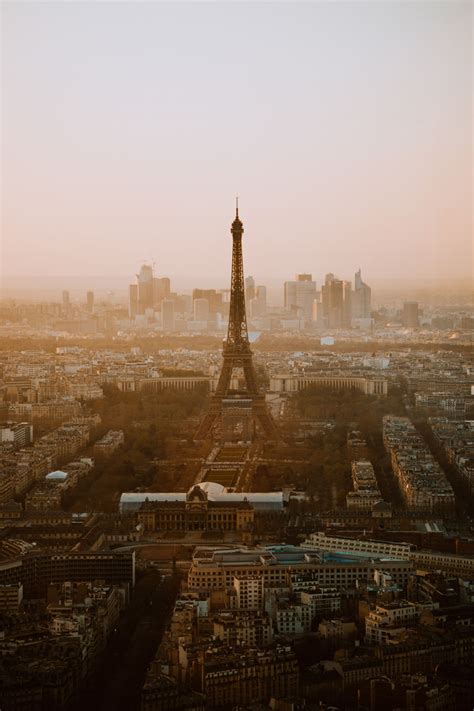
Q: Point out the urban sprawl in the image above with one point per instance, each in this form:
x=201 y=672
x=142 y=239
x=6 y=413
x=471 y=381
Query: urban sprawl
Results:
x=283 y=521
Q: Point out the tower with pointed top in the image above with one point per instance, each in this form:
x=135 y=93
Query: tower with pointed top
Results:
x=227 y=406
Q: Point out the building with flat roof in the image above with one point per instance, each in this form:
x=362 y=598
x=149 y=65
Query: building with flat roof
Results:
x=216 y=567
x=37 y=570
x=360 y=546
x=20 y=434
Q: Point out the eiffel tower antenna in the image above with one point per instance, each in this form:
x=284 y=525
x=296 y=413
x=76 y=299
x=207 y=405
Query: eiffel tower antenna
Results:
x=237 y=354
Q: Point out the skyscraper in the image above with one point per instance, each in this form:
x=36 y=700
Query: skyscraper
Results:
x=167 y=315
x=305 y=296
x=249 y=289
x=361 y=298
x=289 y=295
x=333 y=301
x=161 y=289
x=145 y=288
x=90 y=301
x=213 y=297
x=347 y=307
x=299 y=296
x=148 y=292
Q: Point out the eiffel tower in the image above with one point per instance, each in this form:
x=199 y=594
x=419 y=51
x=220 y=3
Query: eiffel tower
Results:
x=237 y=354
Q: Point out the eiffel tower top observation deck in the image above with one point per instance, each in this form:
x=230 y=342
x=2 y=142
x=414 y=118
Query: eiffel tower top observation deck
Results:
x=237 y=354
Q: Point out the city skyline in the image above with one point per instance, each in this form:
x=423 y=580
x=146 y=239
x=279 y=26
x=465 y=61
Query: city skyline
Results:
x=236 y=439
x=336 y=305
x=116 y=287
x=112 y=157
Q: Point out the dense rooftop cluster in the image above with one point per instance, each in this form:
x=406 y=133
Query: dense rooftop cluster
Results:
x=457 y=439
x=420 y=478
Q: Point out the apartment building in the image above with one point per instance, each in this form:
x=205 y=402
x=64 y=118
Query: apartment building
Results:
x=389 y=621
x=420 y=478
x=249 y=591
x=20 y=434
x=243 y=627
x=231 y=677
x=109 y=443
x=365 y=491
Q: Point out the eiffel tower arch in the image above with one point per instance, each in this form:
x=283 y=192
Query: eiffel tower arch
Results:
x=225 y=403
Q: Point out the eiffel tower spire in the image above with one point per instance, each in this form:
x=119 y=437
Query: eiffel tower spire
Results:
x=237 y=334
x=237 y=354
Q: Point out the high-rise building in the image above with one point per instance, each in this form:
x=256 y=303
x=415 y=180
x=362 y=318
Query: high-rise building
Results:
x=261 y=296
x=249 y=289
x=361 y=298
x=145 y=288
x=213 y=297
x=333 y=301
x=336 y=304
x=410 y=314
x=167 y=315
x=305 y=296
x=299 y=296
x=347 y=307
x=161 y=289
x=289 y=295
x=318 y=314
x=147 y=294
x=90 y=301
x=201 y=309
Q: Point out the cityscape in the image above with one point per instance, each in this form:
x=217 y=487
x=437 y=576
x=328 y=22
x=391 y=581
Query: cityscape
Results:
x=337 y=309
x=231 y=478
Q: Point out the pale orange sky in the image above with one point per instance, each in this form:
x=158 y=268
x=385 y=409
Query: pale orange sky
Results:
x=128 y=128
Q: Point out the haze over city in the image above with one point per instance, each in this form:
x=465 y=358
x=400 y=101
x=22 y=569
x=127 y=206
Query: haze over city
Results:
x=236 y=433
x=128 y=128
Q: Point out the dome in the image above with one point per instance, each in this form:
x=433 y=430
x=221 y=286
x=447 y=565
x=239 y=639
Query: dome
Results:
x=211 y=488
x=58 y=475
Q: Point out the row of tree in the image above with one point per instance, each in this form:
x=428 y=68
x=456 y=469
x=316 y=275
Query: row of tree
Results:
x=152 y=423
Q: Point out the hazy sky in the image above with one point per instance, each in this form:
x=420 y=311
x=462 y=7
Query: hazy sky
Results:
x=128 y=128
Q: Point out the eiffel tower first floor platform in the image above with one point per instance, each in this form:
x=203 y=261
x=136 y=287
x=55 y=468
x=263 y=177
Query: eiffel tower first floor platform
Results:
x=237 y=417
